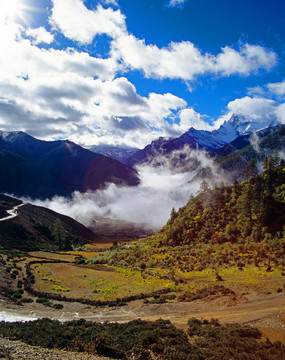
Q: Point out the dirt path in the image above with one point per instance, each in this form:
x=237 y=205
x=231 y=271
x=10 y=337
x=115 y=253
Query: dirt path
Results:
x=12 y=213
x=263 y=311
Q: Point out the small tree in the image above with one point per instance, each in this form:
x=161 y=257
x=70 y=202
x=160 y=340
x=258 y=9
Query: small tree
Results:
x=59 y=234
x=204 y=187
x=173 y=216
x=250 y=170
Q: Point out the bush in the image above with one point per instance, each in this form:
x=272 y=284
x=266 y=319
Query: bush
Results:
x=27 y=300
x=58 y=306
x=44 y=301
x=143 y=338
x=232 y=341
x=17 y=295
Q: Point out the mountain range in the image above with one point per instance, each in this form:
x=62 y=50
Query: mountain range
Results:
x=42 y=169
x=237 y=126
x=120 y=153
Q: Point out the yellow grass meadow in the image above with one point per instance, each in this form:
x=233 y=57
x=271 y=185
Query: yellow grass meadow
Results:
x=89 y=283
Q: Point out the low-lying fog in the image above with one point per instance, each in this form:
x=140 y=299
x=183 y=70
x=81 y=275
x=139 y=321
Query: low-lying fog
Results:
x=164 y=184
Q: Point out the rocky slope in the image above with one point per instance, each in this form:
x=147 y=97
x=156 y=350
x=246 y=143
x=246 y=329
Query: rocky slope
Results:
x=18 y=350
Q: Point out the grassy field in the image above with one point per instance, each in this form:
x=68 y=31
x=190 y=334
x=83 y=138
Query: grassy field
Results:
x=251 y=278
x=53 y=256
x=104 y=282
x=101 y=282
x=93 y=283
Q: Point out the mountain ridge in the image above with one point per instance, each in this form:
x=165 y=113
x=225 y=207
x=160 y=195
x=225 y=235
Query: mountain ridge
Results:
x=120 y=153
x=210 y=141
x=43 y=169
x=34 y=226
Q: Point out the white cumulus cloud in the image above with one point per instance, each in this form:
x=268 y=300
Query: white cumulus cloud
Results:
x=190 y=118
x=261 y=110
x=73 y=92
x=40 y=35
x=80 y=24
x=185 y=61
x=277 y=88
x=181 y=60
x=253 y=107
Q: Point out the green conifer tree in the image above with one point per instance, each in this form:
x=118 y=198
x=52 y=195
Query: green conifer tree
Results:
x=59 y=234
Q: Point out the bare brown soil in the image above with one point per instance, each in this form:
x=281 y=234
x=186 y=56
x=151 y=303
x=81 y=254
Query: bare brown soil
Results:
x=267 y=312
x=98 y=267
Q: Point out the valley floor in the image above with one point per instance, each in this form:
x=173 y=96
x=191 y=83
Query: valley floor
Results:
x=265 y=311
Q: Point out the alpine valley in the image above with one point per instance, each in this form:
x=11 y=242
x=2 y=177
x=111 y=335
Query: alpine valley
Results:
x=208 y=285
x=142 y=180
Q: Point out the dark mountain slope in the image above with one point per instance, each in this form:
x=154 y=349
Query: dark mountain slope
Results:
x=42 y=169
x=34 y=228
x=7 y=203
x=236 y=161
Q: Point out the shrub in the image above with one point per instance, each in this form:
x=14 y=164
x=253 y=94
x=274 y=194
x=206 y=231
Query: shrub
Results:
x=58 y=306
x=60 y=288
x=17 y=295
x=44 y=301
x=27 y=300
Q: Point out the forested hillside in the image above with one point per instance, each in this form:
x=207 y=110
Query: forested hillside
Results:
x=252 y=210
x=251 y=213
x=238 y=225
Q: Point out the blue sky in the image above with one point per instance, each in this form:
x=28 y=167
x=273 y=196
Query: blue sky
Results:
x=130 y=71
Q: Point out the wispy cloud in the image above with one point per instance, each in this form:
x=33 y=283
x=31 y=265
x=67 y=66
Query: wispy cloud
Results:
x=177 y=3
x=277 y=88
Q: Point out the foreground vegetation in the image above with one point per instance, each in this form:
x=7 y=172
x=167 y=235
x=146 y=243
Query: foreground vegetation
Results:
x=143 y=340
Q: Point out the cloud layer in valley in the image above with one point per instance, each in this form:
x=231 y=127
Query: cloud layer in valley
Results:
x=162 y=187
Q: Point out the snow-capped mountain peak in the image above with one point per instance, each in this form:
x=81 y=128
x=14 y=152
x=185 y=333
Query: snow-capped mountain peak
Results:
x=10 y=136
x=246 y=125
x=237 y=125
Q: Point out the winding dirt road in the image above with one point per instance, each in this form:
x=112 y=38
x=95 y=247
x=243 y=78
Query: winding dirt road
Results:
x=12 y=213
